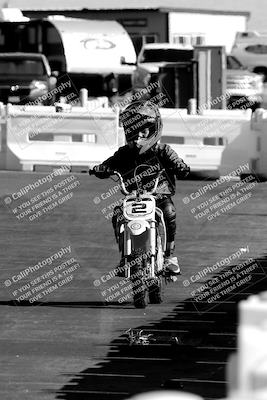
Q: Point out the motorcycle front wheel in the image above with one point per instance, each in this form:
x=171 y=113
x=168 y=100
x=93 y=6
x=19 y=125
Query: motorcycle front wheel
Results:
x=139 y=286
x=154 y=291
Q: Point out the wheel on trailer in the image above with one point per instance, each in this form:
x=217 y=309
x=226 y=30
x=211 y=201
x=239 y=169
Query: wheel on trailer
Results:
x=154 y=291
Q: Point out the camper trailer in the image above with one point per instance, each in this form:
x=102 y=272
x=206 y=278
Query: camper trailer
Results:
x=96 y=55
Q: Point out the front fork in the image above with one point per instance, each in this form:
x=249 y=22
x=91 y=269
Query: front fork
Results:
x=146 y=242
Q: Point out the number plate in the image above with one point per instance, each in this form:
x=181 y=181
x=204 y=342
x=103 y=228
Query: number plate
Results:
x=135 y=209
x=14 y=99
x=139 y=208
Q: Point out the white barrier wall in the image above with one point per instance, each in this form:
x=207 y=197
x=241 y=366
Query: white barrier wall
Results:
x=41 y=136
x=3 y=142
x=214 y=143
x=247 y=370
x=259 y=132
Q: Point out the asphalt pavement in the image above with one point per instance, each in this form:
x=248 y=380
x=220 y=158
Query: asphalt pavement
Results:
x=71 y=342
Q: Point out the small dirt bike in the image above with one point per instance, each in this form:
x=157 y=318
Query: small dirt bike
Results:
x=141 y=235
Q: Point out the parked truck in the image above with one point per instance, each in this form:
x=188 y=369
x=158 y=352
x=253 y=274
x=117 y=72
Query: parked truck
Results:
x=250 y=48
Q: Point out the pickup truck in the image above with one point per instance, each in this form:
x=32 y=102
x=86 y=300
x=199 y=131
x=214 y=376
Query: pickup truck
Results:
x=245 y=88
x=26 y=78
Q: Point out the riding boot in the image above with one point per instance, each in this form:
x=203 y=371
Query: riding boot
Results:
x=170 y=261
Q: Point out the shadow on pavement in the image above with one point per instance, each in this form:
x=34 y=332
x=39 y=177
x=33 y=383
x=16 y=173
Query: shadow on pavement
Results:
x=67 y=304
x=194 y=362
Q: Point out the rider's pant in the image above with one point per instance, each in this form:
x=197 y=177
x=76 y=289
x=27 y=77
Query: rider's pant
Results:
x=169 y=213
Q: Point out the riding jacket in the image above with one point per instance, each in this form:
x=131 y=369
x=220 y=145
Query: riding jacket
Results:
x=161 y=156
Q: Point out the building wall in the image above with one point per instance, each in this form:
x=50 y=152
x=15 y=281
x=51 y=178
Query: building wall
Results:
x=218 y=30
x=257 y=8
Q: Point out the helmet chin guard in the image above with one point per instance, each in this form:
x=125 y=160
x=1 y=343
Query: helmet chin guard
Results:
x=141 y=117
x=148 y=144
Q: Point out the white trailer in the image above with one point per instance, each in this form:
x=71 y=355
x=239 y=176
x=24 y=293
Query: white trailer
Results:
x=93 y=46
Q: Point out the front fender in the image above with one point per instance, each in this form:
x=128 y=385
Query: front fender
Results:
x=137 y=227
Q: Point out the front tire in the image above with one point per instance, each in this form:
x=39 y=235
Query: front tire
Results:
x=155 y=296
x=139 y=292
x=140 y=299
x=138 y=280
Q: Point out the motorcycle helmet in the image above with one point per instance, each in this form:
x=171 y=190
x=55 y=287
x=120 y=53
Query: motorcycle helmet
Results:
x=142 y=125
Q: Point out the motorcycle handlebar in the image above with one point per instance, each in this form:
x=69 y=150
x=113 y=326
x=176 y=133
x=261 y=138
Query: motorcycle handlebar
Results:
x=108 y=171
x=111 y=172
x=123 y=187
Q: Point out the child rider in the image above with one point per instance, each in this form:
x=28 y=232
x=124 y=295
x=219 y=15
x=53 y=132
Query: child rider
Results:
x=143 y=127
